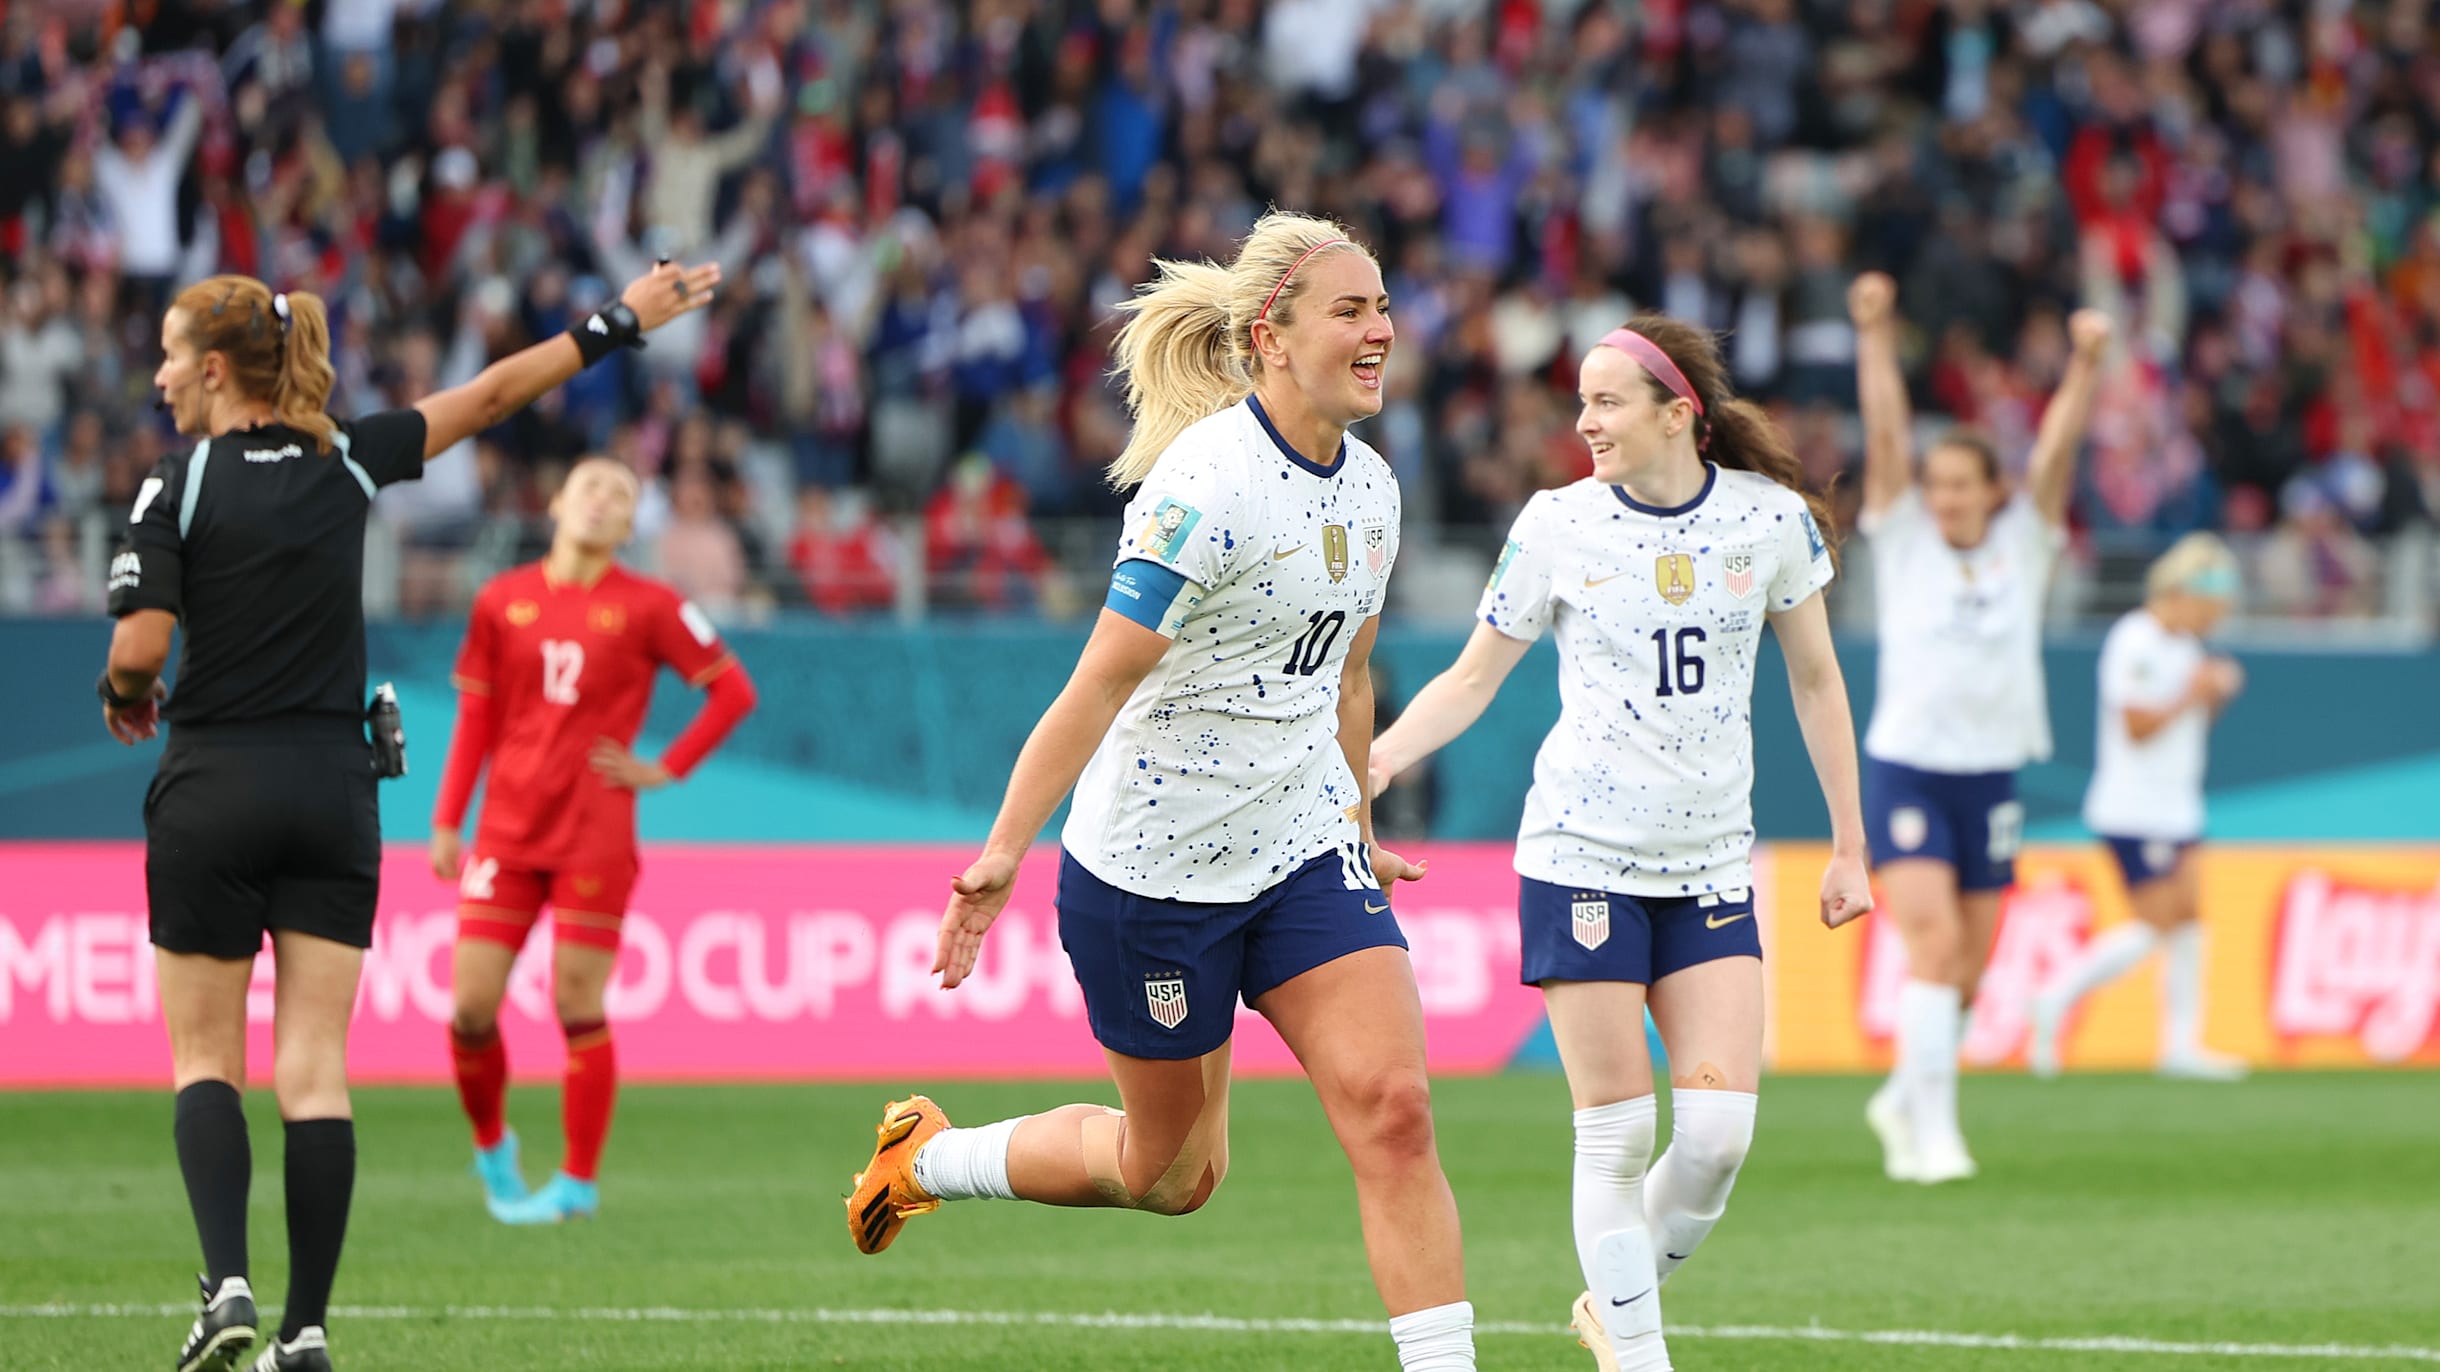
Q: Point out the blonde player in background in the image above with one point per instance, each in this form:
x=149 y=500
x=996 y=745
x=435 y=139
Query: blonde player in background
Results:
x=2160 y=691
x=1220 y=845
x=1656 y=574
x=1960 y=569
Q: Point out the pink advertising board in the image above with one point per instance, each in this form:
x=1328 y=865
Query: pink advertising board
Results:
x=741 y=963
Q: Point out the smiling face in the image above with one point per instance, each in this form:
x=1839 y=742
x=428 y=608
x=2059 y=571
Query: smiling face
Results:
x=1625 y=425
x=1335 y=344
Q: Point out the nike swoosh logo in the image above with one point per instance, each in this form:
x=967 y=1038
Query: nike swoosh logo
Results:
x=1592 y=581
x=1634 y=1298
x=1372 y=909
x=1282 y=557
x=1715 y=922
x=1680 y=1257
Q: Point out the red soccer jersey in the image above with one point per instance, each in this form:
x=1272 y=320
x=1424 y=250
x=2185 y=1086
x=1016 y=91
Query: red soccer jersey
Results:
x=565 y=665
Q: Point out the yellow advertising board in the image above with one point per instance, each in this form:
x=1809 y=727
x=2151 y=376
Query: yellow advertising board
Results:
x=2317 y=957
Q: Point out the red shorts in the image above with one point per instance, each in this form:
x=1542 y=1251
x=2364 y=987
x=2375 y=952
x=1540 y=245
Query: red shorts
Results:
x=499 y=900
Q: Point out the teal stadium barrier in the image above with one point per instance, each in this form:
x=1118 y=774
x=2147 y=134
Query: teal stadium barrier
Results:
x=878 y=733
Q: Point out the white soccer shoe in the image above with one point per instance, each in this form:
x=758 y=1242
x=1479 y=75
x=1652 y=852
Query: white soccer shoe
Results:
x=2042 y=1051
x=1943 y=1160
x=2201 y=1064
x=1887 y=1114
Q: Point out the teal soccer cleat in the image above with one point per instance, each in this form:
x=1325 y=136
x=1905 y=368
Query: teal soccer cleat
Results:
x=561 y=1198
x=497 y=1167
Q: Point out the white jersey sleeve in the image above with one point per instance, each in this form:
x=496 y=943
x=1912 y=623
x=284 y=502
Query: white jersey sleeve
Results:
x=1804 y=562
x=1518 y=602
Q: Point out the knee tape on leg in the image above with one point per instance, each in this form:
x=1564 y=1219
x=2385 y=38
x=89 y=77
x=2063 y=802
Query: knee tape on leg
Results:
x=1204 y=1147
x=1710 y=1134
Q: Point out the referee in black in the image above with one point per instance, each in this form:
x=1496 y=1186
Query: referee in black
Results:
x=263 y=816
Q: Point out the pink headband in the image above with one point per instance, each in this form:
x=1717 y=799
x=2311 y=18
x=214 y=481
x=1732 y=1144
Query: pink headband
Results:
x=1291 y=272
x=1645 y=351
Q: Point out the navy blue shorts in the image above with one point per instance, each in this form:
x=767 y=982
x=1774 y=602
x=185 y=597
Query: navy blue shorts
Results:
x=1577 y=935
x=1162 y=978
x=1970 y=820
x=2147 y=859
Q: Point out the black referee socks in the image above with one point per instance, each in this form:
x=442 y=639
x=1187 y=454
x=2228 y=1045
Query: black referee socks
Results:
x=321 y=1179
x=219 y=1167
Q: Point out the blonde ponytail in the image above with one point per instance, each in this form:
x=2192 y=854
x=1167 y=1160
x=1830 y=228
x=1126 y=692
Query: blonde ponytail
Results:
x=1188 y=351
x=278 y=347
x=300 y=396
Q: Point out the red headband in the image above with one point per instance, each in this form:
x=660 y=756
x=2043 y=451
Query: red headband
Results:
x=1291 y=272
x=1655 y=361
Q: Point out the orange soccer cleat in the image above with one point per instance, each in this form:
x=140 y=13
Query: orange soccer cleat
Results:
x=886 y=1195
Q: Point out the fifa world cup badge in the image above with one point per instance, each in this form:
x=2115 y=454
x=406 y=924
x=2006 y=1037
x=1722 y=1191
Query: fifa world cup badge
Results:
x=1334 y=551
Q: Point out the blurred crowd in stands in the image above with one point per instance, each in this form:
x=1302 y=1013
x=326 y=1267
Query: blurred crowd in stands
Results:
x=927 y=207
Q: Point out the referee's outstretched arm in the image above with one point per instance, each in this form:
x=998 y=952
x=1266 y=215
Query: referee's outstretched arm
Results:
x=516 y=381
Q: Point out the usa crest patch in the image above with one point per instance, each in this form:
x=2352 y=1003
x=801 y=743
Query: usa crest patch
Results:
x=1165 y=997
x=1592 y=922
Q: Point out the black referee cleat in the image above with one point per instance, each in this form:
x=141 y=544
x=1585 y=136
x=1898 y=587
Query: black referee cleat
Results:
x=223 y=1331
x=310 y=1353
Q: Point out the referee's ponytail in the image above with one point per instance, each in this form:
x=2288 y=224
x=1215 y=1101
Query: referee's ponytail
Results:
x=277 y=346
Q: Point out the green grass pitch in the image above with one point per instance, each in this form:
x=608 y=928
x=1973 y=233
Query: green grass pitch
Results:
x=2292 y=1210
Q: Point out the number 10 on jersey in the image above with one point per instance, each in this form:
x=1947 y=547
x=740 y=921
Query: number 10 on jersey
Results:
x=1312 y=648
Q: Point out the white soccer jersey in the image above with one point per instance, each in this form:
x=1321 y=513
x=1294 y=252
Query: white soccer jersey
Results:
x=2152 y=789
x=1223 y=770
x=1960 y=673
x=1645 y=786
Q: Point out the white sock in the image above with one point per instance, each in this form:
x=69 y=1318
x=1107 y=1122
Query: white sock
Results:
x=2110 y=957
x=2181 y=990
x=1927 y=1058
x=1709 y=1133
x=968 y=1164
x=1440 y=1339
x=1613 y=1247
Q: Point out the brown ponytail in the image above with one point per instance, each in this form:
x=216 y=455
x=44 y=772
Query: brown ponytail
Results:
x=1732 y=431
x=281 y=356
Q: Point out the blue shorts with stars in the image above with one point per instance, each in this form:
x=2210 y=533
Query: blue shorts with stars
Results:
x=1570 y=934
x=1162 y=978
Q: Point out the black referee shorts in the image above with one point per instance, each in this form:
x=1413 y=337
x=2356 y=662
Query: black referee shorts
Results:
x=268 y=824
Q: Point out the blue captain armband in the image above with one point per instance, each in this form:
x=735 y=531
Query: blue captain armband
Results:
x=1155 y=596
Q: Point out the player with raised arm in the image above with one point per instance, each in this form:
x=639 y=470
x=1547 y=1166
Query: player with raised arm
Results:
x=553 y=682
x=2160 y=690
x=1220 y=846
x=1656 y=574
x=1960 y=568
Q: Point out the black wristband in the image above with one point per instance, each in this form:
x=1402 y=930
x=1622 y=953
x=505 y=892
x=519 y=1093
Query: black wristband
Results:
x=110 y=695
x=614 y=328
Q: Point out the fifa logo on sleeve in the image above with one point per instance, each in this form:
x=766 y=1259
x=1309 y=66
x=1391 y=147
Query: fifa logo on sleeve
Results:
x=1166 y=529
x=1592 y=922
x=1165 y=997
x=1673 y=574
x=126 y=572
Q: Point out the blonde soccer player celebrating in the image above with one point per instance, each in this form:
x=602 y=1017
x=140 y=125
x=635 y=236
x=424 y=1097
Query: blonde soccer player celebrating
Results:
x=1656 y=574
x=2160 y=690
x=1220 y=846
x=1960 y=568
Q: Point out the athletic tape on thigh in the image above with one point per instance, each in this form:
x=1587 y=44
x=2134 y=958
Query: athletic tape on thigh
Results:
x=1205 y=1145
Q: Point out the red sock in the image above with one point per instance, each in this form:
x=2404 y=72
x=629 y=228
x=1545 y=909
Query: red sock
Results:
x=482 y=1082
x=584 y=1109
